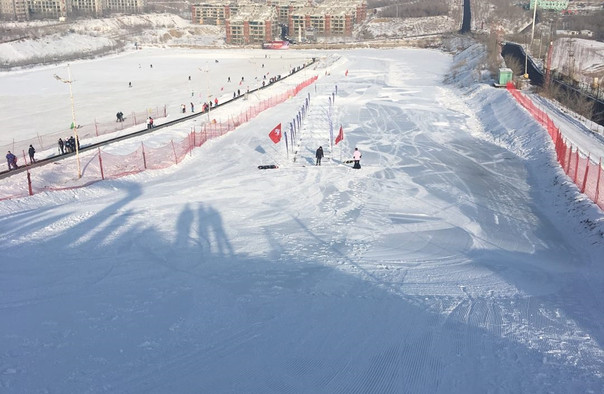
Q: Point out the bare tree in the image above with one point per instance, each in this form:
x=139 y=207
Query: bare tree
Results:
x=513 y=63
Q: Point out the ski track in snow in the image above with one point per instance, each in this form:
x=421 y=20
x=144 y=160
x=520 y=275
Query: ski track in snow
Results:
x=437 y=267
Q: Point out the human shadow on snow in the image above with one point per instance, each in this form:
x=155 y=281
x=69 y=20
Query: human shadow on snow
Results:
x=170 y=306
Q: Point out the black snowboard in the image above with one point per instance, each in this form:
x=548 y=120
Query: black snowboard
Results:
x=267 y=167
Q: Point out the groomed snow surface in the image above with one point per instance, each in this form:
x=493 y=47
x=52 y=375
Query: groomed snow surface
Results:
x=459 y=259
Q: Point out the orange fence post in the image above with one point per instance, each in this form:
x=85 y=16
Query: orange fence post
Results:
x=598 y=182
x=31 y=192
x=191 y=142
x=576 y=166
x=144 y=157
x=567 y=158
x=585 y=176
x=174 y=150
x=101 y=164
x=562 y=153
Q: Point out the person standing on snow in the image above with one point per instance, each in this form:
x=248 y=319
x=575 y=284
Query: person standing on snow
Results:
x=32 y=152
x=356 y=157
x=61 y=146
x=319 y=155
x=11 y=160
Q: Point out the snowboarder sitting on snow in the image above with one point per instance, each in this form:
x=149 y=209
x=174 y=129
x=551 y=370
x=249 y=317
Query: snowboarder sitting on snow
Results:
x=356 y=157
x=11 y=160
x=319 y=155
x=32 y=152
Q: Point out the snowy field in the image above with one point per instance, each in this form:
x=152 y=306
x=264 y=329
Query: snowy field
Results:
x=459 y=259
x=34 y=102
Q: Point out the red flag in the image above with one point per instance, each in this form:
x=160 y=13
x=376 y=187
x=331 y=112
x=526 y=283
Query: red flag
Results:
x=275 y=134
x=340 y=136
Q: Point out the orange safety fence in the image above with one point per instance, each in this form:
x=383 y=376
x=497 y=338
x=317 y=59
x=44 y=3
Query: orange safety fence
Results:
x=585 y=173
x=85 y=131
x=131 y=119
x=98 y=164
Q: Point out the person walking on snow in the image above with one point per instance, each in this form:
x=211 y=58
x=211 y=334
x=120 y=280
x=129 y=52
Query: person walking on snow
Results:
x=356 y=157
x=32 y=152
x=319 y=155
x=11 y=160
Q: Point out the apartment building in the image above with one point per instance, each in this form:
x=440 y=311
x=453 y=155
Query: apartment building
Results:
x=44 y=9
x=250 y=22
x=124 y=6
x=54 y=9
x=285 y=8
x=212 y=12
x=253 y=24
x=331 y=18
x=14 y=10
x=85 y=7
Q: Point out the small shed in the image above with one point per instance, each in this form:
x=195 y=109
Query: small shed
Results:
x=505 y=75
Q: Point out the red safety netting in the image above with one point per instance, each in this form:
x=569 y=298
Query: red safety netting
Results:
x=97 y=165
x=587 y=175
x=85 y=131
x=130 y=120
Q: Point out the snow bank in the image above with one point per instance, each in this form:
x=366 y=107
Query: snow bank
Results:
x=583 y=59
x=44 y=42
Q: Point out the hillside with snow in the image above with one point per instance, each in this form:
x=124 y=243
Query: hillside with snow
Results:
x=458 y=259
x=49 y=42
x=583 y=59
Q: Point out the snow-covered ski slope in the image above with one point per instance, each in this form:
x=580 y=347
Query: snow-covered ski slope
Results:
x=457 y=260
